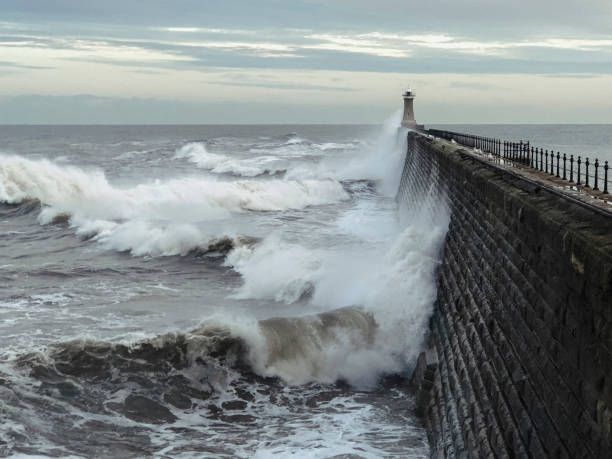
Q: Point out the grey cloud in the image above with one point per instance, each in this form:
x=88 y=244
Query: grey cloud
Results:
x=88 y=109
x=482 y=17
x=148 y=71
x=422 y=59
x=17 y=65
x=281 y=85
x=479 y=86
x=579 y=76
x=452 y=54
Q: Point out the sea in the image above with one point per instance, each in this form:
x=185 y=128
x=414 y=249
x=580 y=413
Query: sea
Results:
x=218 y=291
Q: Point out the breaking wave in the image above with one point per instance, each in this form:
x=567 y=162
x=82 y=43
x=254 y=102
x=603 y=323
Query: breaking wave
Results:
x=288 y=348
x=185 y=389
x=394 y=285
x=158 y=218
x=344 y=291
x=292 y=145
x=223 y=164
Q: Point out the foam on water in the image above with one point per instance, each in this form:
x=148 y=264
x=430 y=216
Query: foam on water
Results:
x=380 y=160
x=329 y=295
x=390 y=274
x=394 y=283
x=224 y=164
x=196 y=396
x=158 y=218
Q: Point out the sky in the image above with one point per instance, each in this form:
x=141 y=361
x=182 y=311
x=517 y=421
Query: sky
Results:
x=304 y=61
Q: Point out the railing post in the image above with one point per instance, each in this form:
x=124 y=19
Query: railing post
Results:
x=541 y=159
x=564 y=165
x=515 y=151
x=558 y=157
x=571 y=168
x=546 y=168
x=595 y=187
x=606 y=178
x=586 y=172
x=527 y=157
x=579 y=161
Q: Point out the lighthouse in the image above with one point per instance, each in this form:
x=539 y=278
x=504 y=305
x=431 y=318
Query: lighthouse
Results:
x=408 y=119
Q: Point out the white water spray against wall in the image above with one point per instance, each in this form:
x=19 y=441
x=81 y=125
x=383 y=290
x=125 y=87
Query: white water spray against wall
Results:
x=390 y=276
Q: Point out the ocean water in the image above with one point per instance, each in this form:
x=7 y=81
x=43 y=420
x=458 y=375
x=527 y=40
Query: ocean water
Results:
x=211 y=291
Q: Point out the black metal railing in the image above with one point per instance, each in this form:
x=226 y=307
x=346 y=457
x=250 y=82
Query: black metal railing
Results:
x=574 y=169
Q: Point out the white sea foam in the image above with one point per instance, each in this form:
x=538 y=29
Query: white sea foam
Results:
x=396 y=287
x=365 y=293
x=390 y=274
x=224 y=164
x=275 y=270
x=159 y=218
x=296 y=146
x=380 y=160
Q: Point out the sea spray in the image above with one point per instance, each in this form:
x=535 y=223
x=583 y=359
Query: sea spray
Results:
x=225 y=164
x=396 y=287
x=391 y=278
x=155 y=218
x=380 y=160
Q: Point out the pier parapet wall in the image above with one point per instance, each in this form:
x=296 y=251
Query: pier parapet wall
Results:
x=519 y=354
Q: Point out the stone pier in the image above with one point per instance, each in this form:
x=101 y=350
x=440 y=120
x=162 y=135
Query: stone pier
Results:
x=519 y=355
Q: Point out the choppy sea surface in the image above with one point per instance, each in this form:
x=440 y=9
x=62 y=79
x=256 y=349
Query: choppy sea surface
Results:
x=213 y=291
x=209 y=291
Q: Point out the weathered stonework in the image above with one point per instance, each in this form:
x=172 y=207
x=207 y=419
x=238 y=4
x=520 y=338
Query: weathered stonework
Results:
x=519 y=359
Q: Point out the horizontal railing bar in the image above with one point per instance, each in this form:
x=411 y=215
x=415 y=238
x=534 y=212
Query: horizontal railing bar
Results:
x=578 y=169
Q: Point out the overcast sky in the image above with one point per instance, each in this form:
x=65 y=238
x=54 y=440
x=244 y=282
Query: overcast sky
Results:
x=304 y=61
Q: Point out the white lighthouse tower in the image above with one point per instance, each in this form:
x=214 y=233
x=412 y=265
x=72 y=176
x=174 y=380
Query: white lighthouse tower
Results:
x=408 y=119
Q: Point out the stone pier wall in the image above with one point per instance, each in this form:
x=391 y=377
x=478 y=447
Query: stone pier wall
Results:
x=519 y=358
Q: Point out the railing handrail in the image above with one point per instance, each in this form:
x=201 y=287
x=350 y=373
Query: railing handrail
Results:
x=523 y=153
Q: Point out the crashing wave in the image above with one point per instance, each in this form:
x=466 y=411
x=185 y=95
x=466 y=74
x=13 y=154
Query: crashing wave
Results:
x=74 y=190
x=297 y=350
x=223 y=164
x=158 y=218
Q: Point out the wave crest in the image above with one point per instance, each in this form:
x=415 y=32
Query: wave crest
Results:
x=222 y=164
x=157 y=218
